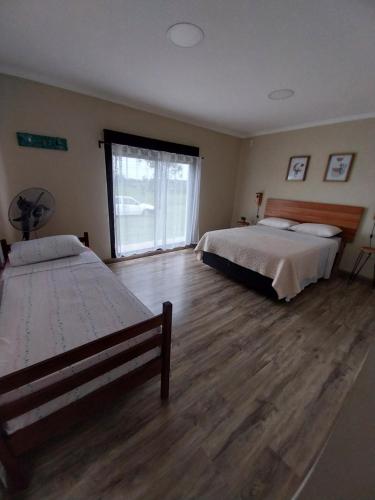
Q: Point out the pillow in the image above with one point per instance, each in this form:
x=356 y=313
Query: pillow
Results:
x=41 y=249
x=323 y=230
x=277 y=222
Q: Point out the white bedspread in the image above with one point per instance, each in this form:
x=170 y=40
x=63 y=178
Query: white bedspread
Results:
x=54 y=306
x=292 y=260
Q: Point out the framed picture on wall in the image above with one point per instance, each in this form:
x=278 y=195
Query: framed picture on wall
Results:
x=338 y=167
x=297 y=168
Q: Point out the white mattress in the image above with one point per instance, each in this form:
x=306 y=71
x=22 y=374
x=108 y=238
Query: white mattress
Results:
x=51 y=307
x=292 y=260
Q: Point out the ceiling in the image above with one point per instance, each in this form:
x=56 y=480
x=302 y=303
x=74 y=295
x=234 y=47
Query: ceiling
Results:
x=118 y=49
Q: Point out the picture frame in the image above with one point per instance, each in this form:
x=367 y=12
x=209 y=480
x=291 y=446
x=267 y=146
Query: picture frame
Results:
x=297 y=168
x=338 y=167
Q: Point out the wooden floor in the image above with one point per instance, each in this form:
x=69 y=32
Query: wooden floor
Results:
x=255 y=388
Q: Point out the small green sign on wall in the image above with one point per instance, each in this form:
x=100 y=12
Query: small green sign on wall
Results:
x=41 y=141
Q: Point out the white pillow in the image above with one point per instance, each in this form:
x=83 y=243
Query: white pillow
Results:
x=41 y=249
x=323 y=230
x=278 y=222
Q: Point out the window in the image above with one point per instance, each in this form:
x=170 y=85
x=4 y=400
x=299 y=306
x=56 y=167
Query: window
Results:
x=153 y=197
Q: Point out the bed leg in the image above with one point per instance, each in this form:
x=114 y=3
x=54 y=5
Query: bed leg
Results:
x=16 y=476
x=340 y=253
x=166 y=350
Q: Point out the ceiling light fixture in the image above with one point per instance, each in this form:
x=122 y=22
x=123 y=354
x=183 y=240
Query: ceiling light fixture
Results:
x=185 y=34
x=279 y=94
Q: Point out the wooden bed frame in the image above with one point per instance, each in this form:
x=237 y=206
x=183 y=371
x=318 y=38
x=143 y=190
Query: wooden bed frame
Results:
x=347 y=217
x=13 y=446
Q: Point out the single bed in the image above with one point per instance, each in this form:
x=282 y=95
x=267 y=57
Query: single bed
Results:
x=278 y=262
x=72 y=337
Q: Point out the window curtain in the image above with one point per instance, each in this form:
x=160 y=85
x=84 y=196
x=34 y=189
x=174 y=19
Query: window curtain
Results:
x=155 y=199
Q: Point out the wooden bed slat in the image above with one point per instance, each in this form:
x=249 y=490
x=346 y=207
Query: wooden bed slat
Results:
x=50 y=365
x=347 y=217
x=20 y=406
x=58 y=422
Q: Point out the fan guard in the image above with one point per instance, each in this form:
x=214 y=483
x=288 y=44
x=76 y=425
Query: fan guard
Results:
x=30 y=210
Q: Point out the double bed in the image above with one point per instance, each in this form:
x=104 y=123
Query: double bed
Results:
x=279 y=262
x=72 y=338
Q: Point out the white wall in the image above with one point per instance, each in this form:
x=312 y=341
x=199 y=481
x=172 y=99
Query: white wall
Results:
x=264 y=162
x=77 y=177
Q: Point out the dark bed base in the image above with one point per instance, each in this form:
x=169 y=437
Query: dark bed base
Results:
x=249 y=278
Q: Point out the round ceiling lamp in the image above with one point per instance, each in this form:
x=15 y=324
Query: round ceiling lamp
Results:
x=185 y=34
x=280 y=94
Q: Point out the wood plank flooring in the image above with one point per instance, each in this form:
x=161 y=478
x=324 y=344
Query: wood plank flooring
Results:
x=256 y=386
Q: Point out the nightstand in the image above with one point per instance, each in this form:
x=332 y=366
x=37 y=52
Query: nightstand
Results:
x=364 y=255
x=243 y=223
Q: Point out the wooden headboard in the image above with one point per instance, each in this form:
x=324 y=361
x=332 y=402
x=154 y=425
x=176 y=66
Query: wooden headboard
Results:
x=347 y=217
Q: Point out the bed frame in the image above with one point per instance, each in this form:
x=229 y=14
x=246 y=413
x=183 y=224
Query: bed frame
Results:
x=347 y=217
x=14 y=445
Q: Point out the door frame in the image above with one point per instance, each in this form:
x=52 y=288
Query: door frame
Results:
x=113 y=137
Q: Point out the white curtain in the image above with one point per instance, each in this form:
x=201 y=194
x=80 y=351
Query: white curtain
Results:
x=155 y=199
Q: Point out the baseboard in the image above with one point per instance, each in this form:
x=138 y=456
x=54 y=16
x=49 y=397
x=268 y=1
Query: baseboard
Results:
x=146 y=254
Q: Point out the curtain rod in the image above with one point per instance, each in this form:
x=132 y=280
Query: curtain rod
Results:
x=103 y=143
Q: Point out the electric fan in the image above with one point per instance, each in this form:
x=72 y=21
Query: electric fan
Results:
x=30 y=210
